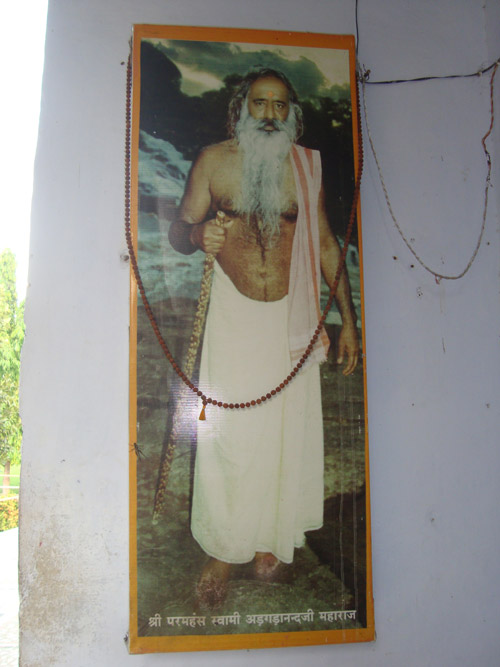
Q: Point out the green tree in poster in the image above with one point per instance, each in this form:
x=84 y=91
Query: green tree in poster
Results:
x=11 y=340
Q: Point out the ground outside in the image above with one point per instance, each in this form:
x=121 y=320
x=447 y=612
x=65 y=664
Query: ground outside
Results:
x=9 y=599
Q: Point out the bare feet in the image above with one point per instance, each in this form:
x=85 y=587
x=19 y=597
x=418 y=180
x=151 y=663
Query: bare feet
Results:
x=211 y=589
x=266 y=566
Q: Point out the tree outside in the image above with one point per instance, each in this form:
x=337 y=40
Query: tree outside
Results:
x=11 y=340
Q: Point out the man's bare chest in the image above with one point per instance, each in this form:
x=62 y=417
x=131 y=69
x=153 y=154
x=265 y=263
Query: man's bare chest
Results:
x=226 y=189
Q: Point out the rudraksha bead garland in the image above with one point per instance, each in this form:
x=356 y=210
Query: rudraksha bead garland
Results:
x=207 y=400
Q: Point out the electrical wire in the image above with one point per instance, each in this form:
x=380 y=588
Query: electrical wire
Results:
x=363 y=75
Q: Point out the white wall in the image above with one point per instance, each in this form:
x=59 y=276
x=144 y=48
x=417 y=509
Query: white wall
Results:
x=433 y=353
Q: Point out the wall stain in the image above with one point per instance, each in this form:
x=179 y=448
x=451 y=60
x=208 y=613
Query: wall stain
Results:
x=58 y=603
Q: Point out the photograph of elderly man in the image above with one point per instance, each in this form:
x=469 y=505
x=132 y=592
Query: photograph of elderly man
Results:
x=251 y=491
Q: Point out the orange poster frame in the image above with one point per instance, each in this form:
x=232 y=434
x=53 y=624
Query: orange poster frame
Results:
x=164 y=613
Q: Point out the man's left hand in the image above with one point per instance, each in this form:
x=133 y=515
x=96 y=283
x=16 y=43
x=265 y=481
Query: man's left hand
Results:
x=348 y=348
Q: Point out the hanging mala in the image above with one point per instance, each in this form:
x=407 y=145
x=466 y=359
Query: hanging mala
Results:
x=186 y=375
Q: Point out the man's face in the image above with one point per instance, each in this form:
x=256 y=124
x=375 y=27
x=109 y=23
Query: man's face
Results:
x=268 y=101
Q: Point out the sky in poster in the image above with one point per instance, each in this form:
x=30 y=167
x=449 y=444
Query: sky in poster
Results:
x=204 y=65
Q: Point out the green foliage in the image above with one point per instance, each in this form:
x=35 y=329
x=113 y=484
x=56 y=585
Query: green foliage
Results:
x=188 y=123
x=9 y=514
x=11 y=340
x=14 y=477
x=328 y=129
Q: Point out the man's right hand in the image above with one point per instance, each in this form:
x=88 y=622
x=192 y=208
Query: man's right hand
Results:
x=210 y=236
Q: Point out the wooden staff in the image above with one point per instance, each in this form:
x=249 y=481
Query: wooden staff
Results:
x=189 y=363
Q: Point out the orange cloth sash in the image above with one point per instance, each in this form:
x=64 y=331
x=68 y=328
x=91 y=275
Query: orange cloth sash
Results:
x=305 y=272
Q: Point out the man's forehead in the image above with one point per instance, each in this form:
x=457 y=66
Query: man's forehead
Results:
x=269 y=87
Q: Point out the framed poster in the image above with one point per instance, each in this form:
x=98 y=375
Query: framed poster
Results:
x=249 y=486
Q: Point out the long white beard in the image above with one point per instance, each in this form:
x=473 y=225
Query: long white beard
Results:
x=264 y=154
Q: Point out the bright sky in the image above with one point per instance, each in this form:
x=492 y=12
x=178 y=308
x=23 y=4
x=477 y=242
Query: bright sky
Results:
x=21 y=65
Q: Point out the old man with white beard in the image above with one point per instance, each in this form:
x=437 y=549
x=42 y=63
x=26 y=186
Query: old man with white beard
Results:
x=258 y=483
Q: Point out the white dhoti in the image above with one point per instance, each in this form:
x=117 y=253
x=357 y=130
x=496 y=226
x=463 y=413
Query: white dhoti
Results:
x=258 y=482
